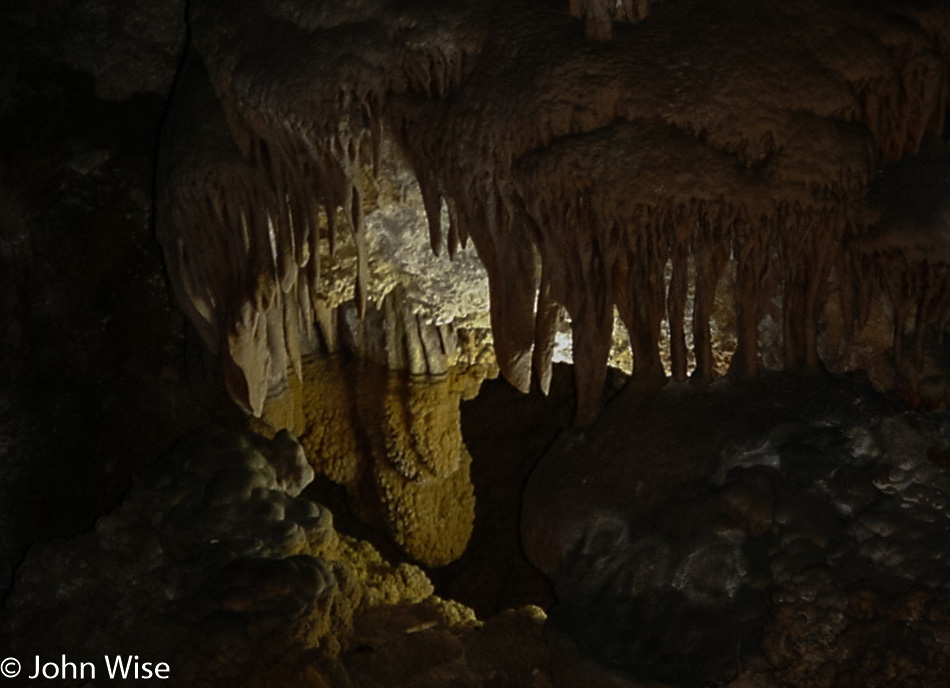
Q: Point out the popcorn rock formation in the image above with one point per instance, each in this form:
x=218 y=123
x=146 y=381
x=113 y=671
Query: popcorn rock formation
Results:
x=689 y=134
x=213 y=566
x=395 y=443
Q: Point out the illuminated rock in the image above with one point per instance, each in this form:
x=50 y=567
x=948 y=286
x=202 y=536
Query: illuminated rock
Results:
x=212 y=567
x=580 y=170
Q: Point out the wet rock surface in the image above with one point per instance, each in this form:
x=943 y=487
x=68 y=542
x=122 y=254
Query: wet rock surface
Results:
x=795 y=537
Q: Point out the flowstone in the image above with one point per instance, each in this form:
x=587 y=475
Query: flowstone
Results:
x=394 y=441
x=213 y=566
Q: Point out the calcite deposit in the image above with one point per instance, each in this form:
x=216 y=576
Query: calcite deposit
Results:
x=348 y=195
x=906 y=253
x=580 y=160
x=395 y=442
x=214 y=566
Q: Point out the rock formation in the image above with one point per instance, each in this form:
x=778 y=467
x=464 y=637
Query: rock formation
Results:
x=783 y=532
x=689 y=135
x=906 y=252
x=395 y=443
x=747 y=185
x=215 y=566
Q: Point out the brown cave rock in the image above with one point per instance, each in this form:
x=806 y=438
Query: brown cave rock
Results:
x=579 y=169
x=312 y=314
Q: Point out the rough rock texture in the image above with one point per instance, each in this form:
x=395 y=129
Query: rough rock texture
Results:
x=906 y=255
x=140 y=55
x=213 y=567
x=92 y=386
x=143 y=50
x=394 y=441
x=506 y=432
x=91 y=380
x=599 y=15
x=695 y=133
x=784 y=533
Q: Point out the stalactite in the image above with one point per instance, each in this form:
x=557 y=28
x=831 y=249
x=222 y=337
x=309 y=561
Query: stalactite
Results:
x=600 y=14
x=512 y=288
x=711 y=251
x=750 y=248
x=547 y=319
x=432 y=201
x=907 y=249
x=679 y=290
x=901 y=84
x=214 y=262
x=810 y=250
x=580 y=169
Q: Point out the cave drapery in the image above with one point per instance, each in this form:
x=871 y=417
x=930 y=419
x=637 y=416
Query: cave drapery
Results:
x=646 y=157
x=581 y=149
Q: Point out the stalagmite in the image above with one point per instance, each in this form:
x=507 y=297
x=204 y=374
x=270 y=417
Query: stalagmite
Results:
x=398 y=438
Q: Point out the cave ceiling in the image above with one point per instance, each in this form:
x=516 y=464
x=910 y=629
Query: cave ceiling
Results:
x=600 y=156
x=744 y=185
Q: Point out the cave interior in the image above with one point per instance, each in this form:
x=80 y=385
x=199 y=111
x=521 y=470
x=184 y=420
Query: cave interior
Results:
x=465 y=343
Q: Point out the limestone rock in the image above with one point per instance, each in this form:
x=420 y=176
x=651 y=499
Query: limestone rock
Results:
x=770 y=544
x=694 y=138
x=394 y=441
x=212 y=567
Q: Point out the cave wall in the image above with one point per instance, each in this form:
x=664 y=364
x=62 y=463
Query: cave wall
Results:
x=597 y=159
